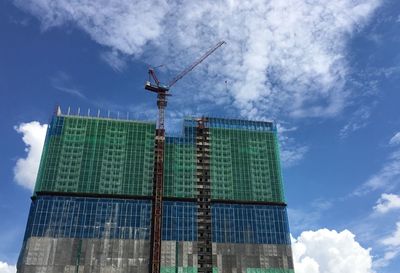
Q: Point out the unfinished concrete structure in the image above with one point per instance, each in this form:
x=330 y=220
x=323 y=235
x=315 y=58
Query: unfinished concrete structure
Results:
x=223 y=205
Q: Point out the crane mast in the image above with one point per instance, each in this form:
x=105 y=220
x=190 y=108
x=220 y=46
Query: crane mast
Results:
x=158 y=180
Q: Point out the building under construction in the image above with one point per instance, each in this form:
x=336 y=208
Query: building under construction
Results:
x=223 y=207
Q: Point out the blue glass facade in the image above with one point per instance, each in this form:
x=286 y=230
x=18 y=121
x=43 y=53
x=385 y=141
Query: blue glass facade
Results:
x=179 y=221
x=78 y=217
x=188 y=136
x=249 y=224
x=56 y=126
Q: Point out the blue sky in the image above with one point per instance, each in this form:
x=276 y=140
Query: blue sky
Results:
x=328 y=73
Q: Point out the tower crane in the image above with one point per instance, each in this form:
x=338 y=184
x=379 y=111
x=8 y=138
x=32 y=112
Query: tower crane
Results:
x=162 y=92
x=162 y=89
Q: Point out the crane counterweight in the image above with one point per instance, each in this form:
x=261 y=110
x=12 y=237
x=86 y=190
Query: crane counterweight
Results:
x=155 y=88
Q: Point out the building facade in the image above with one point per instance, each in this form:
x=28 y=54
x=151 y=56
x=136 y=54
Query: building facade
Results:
x=223 y=208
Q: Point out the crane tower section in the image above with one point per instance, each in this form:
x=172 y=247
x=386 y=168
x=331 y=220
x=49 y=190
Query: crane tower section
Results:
x=157 y=199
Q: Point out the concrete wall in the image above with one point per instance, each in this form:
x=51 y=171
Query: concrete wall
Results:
x=228 y=258
x=71 y=255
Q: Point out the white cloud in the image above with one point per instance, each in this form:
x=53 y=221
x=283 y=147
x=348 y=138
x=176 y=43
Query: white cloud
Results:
x=387 y=202
x=6 y=268
x=388 y=177
x=71 y=91
x=123 y=25
x=392 y=244
x=291 y=156
x=25 y=170
x=303 y=219
x=385 y=260
x=291 y=153
x=293 y=66
x=329 y=251
x=308 y=216
x=62 y=82
x=356 y=122
x=395 y=139
x=394 y=239
x=114 y=59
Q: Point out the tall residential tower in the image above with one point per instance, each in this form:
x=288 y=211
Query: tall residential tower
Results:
x=223 y=207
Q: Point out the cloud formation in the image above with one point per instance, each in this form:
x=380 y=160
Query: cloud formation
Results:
x=356 y=122
x=26 y=169
x=329 y=251
x=62 y=82
x=114 y=59
x=282 y=57
x=290 y=152
x=394 y=239
x=124 y=25
x=387 y=202
x=395 y=139
x=388 y=177
x=392 y=244
x=7 y=268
